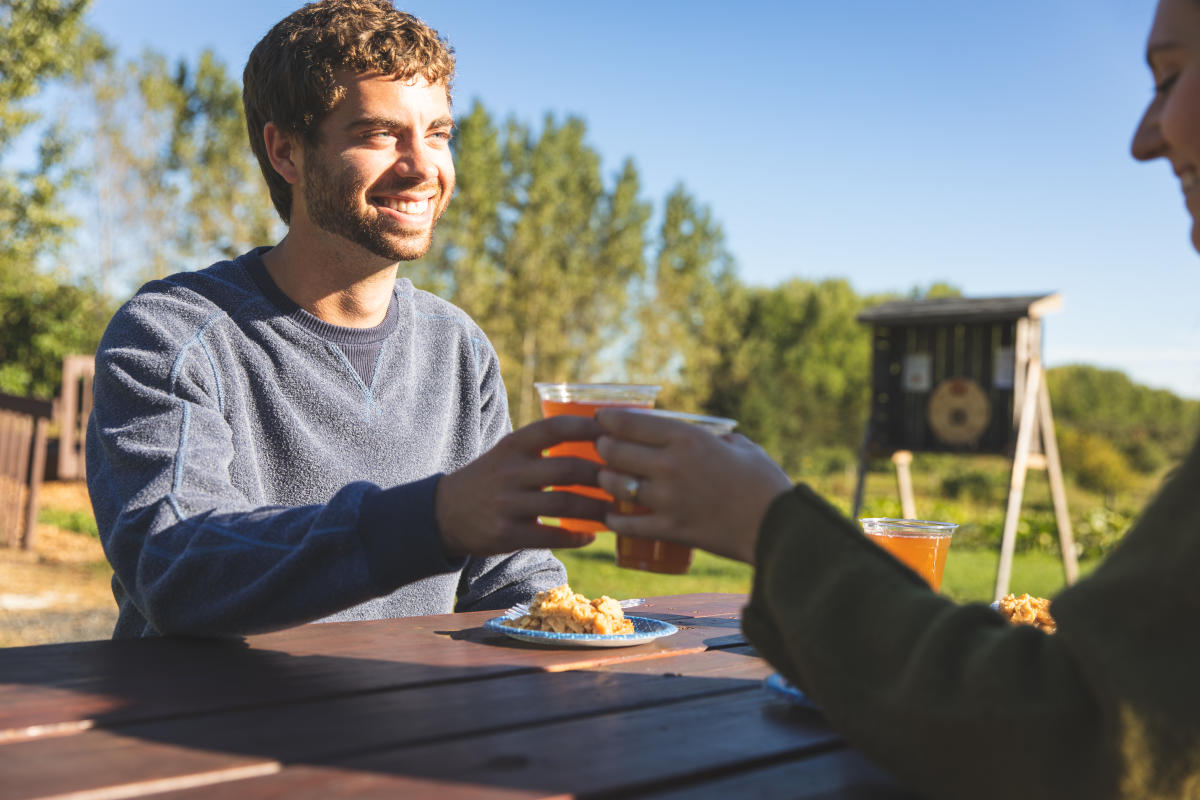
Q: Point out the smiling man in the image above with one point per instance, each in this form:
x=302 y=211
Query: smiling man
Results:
x=296 y=434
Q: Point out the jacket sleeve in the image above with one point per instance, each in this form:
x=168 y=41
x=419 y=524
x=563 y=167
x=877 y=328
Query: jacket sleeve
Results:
x=500 y=581
x=188 y=549
x=950 y=698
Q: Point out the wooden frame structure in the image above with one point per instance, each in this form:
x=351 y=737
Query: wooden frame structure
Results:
x=964 y=375
x=72 y=410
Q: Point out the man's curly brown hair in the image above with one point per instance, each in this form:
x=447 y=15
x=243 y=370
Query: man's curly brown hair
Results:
x=289 y=77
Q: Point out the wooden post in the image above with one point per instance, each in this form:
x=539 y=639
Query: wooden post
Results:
x=1016 y=486
x=74 y=407
x=864 y=456
x=1058 y=492
x=37 y=468
x=902 y=458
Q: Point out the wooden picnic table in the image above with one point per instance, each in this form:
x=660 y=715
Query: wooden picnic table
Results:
x=432 y=706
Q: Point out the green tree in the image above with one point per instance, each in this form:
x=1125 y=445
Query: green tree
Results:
x=538 y=250
x=225 y=202
x=40 y=41
x=463 y=262
x=177 y=184
x=134 y=207
x=1151 y=427
x=691 y=317
x=559 y=297
x=799 y=384
x=42 y=320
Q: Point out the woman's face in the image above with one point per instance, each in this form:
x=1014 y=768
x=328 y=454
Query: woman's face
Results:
x=1170 y=128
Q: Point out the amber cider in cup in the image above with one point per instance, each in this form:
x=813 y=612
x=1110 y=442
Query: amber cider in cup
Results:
x=656 y=555
x=919 y=543
x=584 y=400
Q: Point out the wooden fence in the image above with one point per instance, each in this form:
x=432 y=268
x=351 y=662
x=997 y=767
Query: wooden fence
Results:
x=23 y=424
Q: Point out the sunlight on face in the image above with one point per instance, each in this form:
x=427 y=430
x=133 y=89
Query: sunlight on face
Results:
x=382 y=173
x=1170 y=128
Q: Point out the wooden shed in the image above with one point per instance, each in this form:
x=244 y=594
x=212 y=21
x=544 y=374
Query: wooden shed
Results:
x=949 y=374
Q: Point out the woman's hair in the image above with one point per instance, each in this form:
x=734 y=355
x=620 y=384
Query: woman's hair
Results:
x=289 y=77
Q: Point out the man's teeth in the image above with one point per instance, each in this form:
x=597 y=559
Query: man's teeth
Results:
x=405 y=207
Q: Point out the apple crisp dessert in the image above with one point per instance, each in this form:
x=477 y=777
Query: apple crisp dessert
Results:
x=561 y=610
x=1028 y=610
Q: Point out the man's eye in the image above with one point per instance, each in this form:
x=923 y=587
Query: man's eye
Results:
x=445 y=136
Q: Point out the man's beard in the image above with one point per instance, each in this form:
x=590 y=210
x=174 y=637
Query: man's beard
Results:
x=333 y=205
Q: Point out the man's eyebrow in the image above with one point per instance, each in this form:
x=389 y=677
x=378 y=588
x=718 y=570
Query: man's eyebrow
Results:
x=392 y=122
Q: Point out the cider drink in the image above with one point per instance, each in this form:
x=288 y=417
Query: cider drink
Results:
x=584 y=400
x=919 y=544
x=656 y=555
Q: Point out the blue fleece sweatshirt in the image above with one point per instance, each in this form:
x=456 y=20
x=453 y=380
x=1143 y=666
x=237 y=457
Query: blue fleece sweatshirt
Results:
x=244 y=477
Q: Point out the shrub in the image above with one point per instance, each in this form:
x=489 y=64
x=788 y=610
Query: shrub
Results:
x=974 y=485
x=1093 y=462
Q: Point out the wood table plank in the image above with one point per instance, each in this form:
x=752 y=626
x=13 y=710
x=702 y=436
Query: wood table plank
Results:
x=322 y=731
x=837 y=775
x=622 y=754
x=55 y=689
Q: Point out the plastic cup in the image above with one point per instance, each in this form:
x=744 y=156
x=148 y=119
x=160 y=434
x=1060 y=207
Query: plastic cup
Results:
x=584 y=400
x=656 y=555
x=921 y=544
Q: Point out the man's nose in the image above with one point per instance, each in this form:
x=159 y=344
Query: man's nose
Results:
x=414 y=160
x=1148 y=141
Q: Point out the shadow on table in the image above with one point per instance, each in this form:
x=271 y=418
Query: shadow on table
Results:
x=389 y=727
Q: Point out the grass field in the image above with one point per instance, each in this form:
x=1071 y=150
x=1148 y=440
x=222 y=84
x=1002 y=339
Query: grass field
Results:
x=970 y=574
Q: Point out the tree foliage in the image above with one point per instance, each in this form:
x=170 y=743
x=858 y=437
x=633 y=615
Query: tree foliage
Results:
x=1150 y=427
x=1094 y=462
x=691 y=315
x=40 y=41
x=41 y=318
x=538 y=249
x=171 y=162
x=799 y=379
x=225 y=205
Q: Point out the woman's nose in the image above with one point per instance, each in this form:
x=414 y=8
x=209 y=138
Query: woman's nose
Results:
x=1148 y=141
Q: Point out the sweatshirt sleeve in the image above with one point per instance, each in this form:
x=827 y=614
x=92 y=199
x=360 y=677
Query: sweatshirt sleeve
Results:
x=500 y=581
x=950 y=698
x=188 y=549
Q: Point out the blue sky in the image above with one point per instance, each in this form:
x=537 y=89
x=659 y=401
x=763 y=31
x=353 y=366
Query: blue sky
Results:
x=894 y=144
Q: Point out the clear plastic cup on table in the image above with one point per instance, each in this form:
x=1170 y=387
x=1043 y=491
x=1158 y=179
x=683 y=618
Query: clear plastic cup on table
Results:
x=920 y=544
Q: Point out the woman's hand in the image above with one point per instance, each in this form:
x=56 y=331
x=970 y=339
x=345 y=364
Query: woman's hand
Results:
x=697 y=489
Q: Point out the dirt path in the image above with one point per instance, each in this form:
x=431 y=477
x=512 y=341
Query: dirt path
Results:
x=60 y=591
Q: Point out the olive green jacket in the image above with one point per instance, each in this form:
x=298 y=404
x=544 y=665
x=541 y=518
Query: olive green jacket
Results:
x=956 y=702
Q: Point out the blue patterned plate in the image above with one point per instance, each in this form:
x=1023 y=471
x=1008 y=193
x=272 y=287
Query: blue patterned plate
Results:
x=779 y=685
x=644 y=630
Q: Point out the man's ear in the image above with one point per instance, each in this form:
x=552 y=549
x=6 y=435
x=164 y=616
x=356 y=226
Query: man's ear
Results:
x=284 y=151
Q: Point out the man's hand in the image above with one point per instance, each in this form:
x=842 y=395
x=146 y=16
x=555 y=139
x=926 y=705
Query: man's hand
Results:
x=492 y=505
